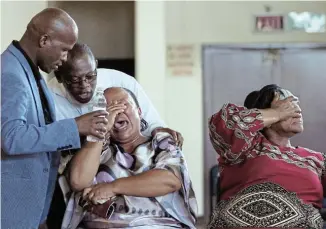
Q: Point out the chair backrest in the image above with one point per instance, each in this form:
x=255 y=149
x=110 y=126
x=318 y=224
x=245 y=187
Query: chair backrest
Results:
x=214 y=187
x=323 y=210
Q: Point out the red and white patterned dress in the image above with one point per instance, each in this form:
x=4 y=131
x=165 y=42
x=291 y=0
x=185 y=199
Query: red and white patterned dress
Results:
x=263 y=185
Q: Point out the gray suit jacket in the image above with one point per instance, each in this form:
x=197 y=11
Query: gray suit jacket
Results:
x=29 y=148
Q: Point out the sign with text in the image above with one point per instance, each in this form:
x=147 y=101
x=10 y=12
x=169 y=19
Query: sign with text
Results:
x=269 y=23
x=180 y=60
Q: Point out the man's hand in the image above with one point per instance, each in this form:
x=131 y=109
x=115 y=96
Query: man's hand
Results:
x=93 y=123
x=176 y=135
x=99 y=193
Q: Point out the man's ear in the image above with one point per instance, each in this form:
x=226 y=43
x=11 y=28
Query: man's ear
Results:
x=96 y=63
x=44 y=41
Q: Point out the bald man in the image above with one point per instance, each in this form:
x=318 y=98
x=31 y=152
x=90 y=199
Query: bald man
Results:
x=31 y=138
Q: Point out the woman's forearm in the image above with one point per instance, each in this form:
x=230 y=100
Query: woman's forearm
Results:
x=270 y=116
x=85 y=165
x=152 y=183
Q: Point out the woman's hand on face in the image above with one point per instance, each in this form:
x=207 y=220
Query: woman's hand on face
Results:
x=114 y=109
x=98 y=193
x=287 y=108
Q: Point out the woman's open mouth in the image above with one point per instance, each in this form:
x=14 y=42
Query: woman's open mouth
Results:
x=120 y=125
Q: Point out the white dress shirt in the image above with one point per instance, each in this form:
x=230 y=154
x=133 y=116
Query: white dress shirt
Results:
x=68 y=107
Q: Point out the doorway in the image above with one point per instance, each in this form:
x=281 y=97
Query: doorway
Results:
x=108 y=28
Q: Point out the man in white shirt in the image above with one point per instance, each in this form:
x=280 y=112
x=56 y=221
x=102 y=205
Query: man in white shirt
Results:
x=73 y=88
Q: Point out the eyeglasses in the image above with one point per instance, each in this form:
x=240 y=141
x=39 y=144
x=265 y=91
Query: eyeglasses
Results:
x=78 y=80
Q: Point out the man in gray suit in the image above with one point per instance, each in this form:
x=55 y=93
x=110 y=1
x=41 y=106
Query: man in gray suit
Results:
x=31 y=138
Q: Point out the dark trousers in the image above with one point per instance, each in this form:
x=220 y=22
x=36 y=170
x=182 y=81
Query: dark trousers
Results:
x=57 y=209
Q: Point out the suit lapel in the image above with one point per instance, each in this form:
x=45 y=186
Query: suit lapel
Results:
x=31 y=80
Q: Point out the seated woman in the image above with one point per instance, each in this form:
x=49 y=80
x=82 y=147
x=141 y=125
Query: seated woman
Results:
x=265 y=181
x=148 y=176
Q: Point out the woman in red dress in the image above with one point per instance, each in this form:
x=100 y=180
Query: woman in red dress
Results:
x=265 y=181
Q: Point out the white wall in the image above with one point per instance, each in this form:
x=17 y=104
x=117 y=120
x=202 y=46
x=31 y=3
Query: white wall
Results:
x=15 y=16
x=180 y=99
x=150 y=51
x=106 y=26
x=231 y=22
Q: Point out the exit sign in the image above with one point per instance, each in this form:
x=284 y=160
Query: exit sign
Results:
x=269 y=23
